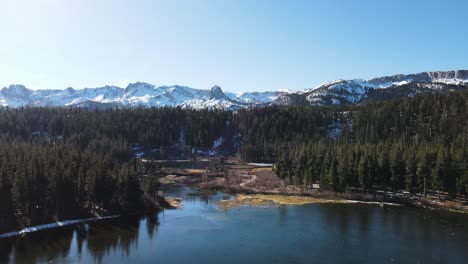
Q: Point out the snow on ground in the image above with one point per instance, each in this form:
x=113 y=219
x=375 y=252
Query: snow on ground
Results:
x=217 y=143
x=261 y=164
x=384 y=85
x=334 y=131
x=55 y=225
x=147 y=95
x=257 y=97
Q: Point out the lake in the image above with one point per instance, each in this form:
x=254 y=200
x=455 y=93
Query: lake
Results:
x=200 y=233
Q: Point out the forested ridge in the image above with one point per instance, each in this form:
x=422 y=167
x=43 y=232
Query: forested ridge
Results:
x=57 y=162
x=401 y=144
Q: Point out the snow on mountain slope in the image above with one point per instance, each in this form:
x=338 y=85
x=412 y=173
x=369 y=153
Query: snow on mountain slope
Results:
x=15 y=95
x=134 y=95
x=146 y=95
x=142 y=94
x=216 y=99
x=353 y=91
x=257 y=97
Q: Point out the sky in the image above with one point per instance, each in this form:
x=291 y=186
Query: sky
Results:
x=240 y=45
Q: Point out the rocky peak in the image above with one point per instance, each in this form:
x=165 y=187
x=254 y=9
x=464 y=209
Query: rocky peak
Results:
x=16 y=90
x=217 y=93
x=139 y=86
x=456 y=74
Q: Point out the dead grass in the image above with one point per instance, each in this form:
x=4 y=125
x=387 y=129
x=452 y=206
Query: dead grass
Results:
x=266 y=179
x=214 y=184
x=262 y=200
x=235 y=179
x=445 y=205
x=194 y=171
x=261 y=169
x=173 y=202
x=287 y=199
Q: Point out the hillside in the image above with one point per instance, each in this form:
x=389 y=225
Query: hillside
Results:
x=146 y=95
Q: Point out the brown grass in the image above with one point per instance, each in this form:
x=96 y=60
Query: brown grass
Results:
x=287 y=199
x=445 y=205
x=214 y=184
x=272 y=200
x=173 y=202
x=266 y=179
x=261 y=169
x=194 y=171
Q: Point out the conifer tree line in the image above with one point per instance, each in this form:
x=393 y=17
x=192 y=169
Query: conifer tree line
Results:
x=57 y=163
x=40 y=181
x=149 y=127
x=413 y=144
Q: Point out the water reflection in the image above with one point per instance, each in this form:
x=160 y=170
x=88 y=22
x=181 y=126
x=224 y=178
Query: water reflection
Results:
x=72 y=243
x=19 y=249
x=102 y=238
x=198 y=232
x=151 y=225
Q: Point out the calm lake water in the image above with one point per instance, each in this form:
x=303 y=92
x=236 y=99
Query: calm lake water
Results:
x=199 y=233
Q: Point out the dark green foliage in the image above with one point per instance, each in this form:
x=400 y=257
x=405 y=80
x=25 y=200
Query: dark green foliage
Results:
x=65 y=162
x=55 y=162
x=416 y=143
x=397 y=168
x=60 y=180
x=150 y=128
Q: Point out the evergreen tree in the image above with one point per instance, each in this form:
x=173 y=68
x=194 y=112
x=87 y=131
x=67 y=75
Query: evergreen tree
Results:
x=438 y=172
x=410 y=178
x=397 y=169
x=423 y=173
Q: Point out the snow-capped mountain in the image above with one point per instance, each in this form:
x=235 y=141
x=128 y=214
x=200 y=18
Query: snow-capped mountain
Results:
x=355 y=91
x=142 y=94
x=134 y=95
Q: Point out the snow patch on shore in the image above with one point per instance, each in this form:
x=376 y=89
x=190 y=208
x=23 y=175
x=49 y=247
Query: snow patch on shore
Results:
x=261 y=164
x=54 y=225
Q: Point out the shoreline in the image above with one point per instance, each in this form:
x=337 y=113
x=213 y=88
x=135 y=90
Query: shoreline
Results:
x=267 y=200
x=350 y=198
x=246 y=186
x=16 y=230
x=33 y=229
x=256 y=199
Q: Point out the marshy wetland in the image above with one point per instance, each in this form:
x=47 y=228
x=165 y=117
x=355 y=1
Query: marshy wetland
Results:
x=269 y=223
x=200 y=232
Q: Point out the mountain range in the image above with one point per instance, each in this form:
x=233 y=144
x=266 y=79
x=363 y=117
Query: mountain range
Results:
x=142 y=94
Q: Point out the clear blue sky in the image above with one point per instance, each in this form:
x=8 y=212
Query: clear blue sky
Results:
x=240 y=45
